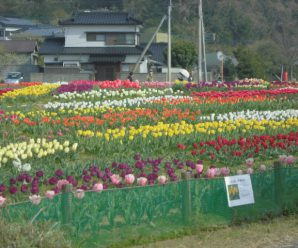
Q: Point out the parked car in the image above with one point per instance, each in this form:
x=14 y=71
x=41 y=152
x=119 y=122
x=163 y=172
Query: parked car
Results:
x=14 y=78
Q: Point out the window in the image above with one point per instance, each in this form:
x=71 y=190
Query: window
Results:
x=112 y=38
x=71 y=64
x=130 y=39
x=95 y=37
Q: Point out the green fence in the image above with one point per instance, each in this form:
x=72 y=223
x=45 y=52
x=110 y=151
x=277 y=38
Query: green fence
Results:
x=118 y=215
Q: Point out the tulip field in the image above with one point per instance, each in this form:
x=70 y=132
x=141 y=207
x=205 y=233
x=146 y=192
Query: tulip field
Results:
x=98 y=136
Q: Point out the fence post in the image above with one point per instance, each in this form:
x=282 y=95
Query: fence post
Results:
x=66 y=204
x=186 y=196
x=278 y=184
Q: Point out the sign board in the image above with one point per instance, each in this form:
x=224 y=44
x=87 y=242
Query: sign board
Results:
x=239 y=190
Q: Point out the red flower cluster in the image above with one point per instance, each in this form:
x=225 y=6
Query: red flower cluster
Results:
x=116 y=84
x=245 y=93
x=249 y=146
x=5 y=90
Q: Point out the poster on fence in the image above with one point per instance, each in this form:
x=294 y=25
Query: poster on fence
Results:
x=239 y=190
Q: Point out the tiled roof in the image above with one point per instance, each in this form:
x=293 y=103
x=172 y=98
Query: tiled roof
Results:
x=43 y=31
x=101 y=18
x=56 y=46
x=8 y=21
x=18 y=46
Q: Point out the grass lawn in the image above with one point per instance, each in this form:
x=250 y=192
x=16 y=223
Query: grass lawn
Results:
x=276 y=233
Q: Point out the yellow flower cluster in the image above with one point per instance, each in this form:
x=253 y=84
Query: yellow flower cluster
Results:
x=44 y=113
x=183 y=128
x=35 y=90
x=33 y=148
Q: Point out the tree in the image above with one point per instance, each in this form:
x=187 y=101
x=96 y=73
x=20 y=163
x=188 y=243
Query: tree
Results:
x=183 y=54
x=250 y=64
x=229 y=70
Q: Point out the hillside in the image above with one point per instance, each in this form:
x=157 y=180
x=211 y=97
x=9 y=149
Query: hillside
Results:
x=268 y=27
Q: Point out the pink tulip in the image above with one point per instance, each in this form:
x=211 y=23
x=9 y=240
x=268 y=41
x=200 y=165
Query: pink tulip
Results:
x=282 y=159
x=2 y=200
x=35 y=199
x=97 y=187
x=129 y=178
x=290 y=160
x=249 y=170
x=239 y=172
x=199 y=168
x=79 y=193
x=61 y=183
x=50 y=194
x=162 y=179
x=217 y=172
x=224 y=171
x=116 y=179
x=249 y=162
x=263 y=168
x=211 y=172
x=142 y=181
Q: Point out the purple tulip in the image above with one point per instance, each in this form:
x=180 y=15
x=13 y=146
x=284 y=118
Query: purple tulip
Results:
x=34 y=190
x=2 y=188
x=168 y=165
x=53 y=181
x=21 y=178
x=74 y=183
x=143 y=174
x=99 y=174
x=84 y=187
x=86 y=178
x=13 y=190
x=70 y=178
x=39 y=173
x=12 y=181
x=137 y=157
x=180 y=165
x=176 y=161
x=28 y=178
x=59 y=173
x=85 y=172
x=56 y=190
x=24 y=188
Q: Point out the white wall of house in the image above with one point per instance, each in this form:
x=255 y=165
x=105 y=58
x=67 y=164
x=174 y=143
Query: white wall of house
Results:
x=60 y=58
x=75 y=36
x=131 y=58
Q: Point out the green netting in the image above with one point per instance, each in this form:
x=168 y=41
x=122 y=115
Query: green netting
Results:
x=117 y=215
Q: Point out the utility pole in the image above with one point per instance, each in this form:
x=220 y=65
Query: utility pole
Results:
x=204 y=47
x=169 y=43
x=149 y=44
x=199 y=41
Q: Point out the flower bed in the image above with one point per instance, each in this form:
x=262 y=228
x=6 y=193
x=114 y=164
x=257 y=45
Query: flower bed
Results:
x=99 y=135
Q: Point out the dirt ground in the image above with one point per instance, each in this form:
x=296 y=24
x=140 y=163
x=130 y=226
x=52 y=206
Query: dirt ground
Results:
x=277 y=233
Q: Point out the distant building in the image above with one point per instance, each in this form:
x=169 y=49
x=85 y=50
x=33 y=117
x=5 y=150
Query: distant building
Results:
x=102 y=44
x=24 y=54
x=40 y=31
x=10 y=26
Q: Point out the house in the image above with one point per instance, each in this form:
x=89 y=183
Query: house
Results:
x=39 y=32
x=10 y=26
x=159 y=64
x=26 y=48
x=18 y=55
x=101 y=44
